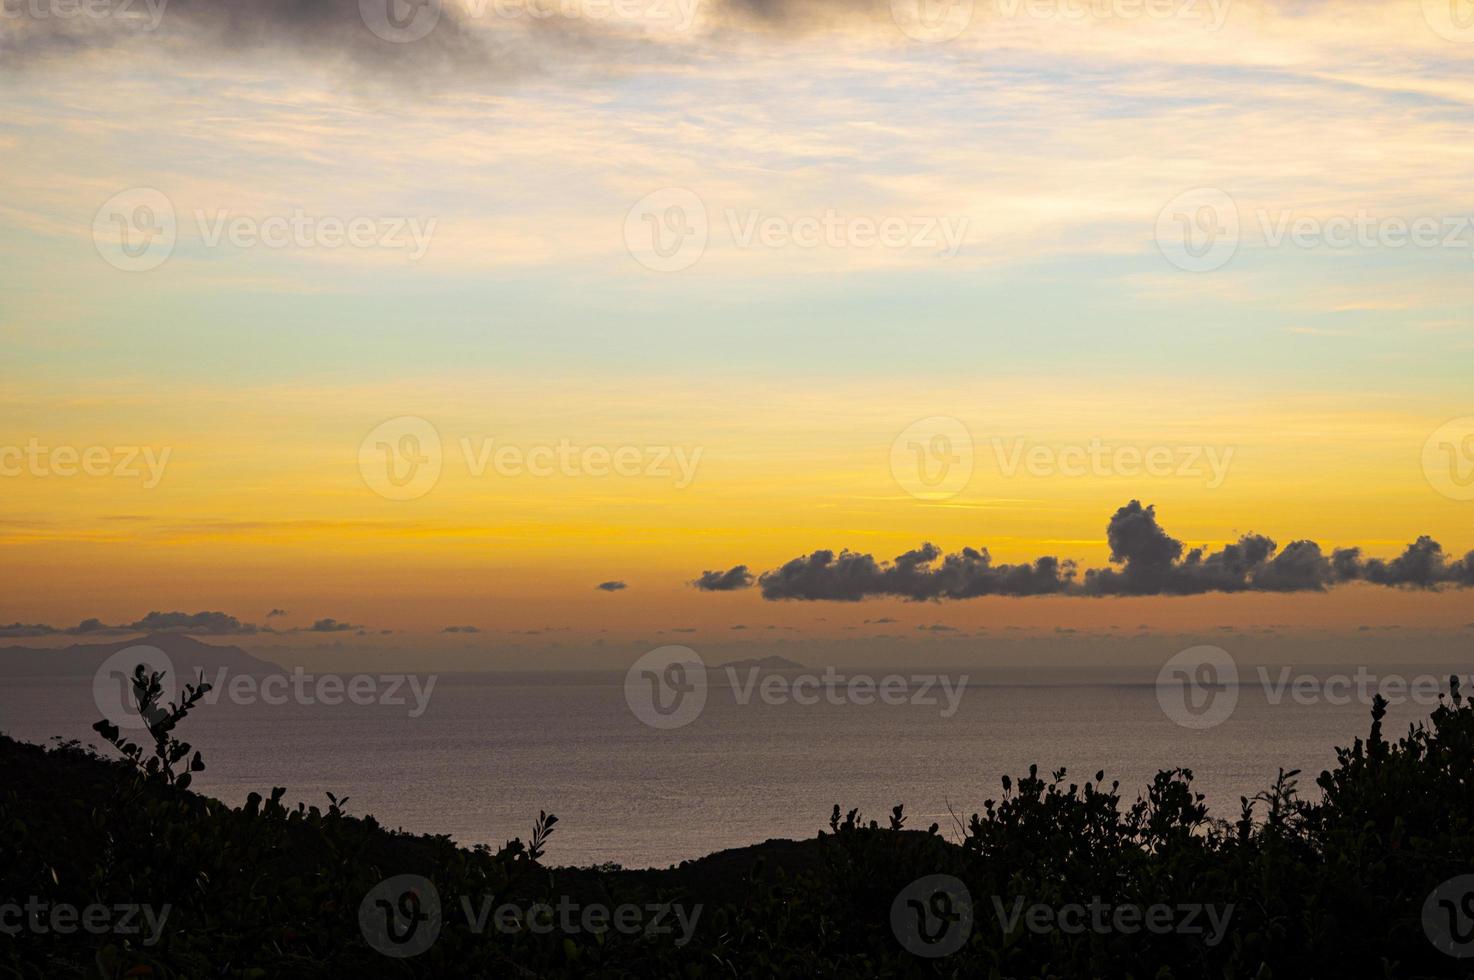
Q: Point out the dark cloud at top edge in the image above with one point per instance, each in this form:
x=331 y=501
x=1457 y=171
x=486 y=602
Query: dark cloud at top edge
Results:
x=435 y=37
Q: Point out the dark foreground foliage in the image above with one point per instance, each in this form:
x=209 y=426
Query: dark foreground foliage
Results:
x=1334 y=888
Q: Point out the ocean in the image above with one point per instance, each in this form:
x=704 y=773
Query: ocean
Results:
x=491 y=750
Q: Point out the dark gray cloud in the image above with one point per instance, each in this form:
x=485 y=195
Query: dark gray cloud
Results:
x=27 y=629
x=461 y=629
x=1145 y=560
x=851 y=576
x=1152 y=563
x=355 y=34
x=729 y=581
x=212 y=623
x=612 y=586
x=275 y=613
x=1423 y=565
x=330 y=625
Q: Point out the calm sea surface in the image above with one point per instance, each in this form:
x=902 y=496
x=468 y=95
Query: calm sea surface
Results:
x=493 y=749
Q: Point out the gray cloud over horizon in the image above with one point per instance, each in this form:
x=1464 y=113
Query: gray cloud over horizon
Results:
x=717 y=580
x=1146 y=560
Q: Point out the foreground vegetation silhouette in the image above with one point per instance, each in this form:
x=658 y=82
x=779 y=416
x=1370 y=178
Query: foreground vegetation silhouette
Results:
x=1334 y=887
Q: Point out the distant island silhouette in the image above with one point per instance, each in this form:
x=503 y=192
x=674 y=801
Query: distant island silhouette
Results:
x=774 y=662
x=188 y=655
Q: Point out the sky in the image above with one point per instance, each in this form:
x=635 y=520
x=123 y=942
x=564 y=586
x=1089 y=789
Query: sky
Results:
x=365 y=334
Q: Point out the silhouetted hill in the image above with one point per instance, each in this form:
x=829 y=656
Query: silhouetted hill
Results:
x=187 y=654
x=1051 y=878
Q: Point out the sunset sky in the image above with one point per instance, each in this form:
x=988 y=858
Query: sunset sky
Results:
x=532 y=154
